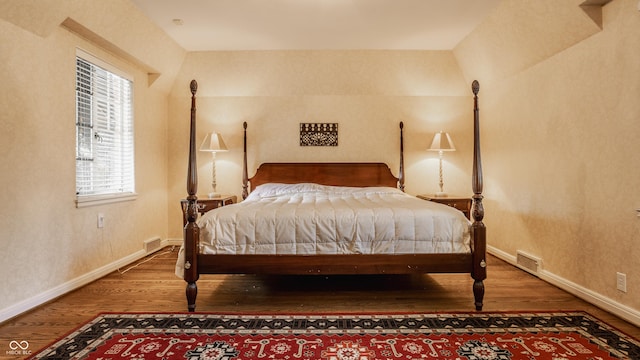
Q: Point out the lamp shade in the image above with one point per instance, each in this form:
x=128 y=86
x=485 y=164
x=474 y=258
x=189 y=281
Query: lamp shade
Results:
x=442 y=142
x=212 y=143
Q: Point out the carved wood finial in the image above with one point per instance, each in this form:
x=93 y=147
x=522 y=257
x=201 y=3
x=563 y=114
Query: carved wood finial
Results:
x=475 y=87
x=194 y=87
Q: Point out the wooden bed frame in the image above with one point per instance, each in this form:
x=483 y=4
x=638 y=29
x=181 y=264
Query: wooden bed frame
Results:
x=340 y=174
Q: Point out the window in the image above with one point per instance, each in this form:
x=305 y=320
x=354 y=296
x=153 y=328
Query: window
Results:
x=104 y=133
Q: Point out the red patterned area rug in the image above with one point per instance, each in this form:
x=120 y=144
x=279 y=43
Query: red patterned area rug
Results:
x=471 y=336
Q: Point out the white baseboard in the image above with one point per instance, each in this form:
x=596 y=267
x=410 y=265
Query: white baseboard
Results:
x=607 y=304
x=624 y=312
x=44 y=297
x=172 y=242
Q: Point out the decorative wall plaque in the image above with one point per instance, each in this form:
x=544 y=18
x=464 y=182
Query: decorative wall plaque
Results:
x=318 y=134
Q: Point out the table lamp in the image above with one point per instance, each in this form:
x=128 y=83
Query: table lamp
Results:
x=441 y=142
x=213 y=143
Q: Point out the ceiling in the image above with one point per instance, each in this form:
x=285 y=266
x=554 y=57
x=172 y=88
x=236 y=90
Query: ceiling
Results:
x=203 y=25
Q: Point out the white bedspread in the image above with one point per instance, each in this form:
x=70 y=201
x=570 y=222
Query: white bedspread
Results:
x=316 y=219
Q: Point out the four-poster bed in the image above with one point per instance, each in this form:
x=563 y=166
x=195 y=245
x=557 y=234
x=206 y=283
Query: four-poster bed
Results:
x=231 y=251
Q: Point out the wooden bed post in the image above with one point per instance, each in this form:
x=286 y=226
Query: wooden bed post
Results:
x=191 y=230
x=245 y=173
x=401 y=173
x=478 y=230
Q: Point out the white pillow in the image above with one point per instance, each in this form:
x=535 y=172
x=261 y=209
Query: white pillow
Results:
x=277 y=189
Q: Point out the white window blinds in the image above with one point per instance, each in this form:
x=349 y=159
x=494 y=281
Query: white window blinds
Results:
x=104 y=131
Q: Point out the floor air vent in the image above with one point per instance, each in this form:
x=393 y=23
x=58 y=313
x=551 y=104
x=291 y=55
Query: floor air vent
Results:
x=528 y=262
x=152 y=245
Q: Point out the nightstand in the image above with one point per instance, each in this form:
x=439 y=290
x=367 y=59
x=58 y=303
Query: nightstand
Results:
x=459 y=202
x=206 y=203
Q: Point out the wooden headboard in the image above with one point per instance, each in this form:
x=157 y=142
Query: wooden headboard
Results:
x=335 y=174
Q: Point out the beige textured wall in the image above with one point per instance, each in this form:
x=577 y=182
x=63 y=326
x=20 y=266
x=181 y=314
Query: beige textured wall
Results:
x=560 y=136
x=559 y=130
x=366 y=92
x=46 y=241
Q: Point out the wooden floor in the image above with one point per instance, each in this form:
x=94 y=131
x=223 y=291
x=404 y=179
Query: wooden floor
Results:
x=150 y=286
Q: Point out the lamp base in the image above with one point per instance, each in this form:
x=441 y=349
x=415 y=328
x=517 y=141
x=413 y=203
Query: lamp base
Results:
x=213 y=195
x=441 y=194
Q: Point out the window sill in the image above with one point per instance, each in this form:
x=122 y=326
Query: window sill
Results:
x=94 y=200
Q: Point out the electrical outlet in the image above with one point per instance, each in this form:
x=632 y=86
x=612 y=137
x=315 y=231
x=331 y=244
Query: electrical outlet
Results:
x=621 y=282
x=100 y=220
